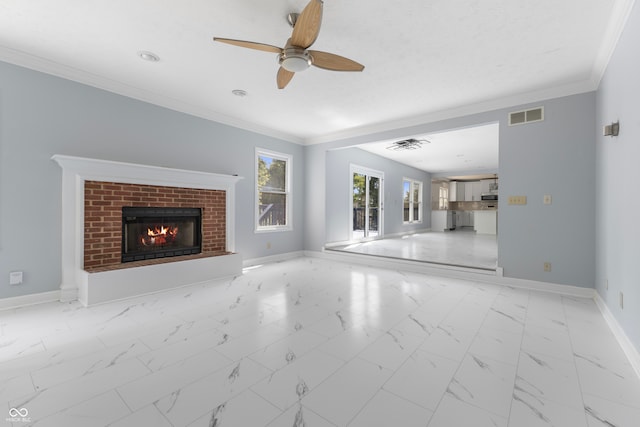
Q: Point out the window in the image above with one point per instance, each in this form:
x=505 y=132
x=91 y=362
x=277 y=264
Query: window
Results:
x=273 y=189
x=443 y=198
x=412 y=200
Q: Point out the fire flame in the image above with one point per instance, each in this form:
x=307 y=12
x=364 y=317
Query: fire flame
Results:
x=159 y=235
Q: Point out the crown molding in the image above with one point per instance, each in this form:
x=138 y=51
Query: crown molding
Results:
x=56 y=69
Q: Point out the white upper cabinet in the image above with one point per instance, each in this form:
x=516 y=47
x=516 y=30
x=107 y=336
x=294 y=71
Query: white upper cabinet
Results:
x=484 y=185
x=477 y=191
x=453 y=192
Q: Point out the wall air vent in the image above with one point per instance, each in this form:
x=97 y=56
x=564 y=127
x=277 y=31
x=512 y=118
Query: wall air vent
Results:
x=526 y=116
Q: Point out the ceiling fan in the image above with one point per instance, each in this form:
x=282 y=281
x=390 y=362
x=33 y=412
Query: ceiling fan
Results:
x=296 y=56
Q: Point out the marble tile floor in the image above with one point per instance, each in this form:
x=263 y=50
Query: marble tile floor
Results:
x=461 y=248
x=312 y=342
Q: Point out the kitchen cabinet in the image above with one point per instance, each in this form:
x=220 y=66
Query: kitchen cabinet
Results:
x=453 y=191
x=468 y=191
x=486 y=222
x=485 y=185
x=464 y=219
x=438 y=220
x=460 y=186
x=472 y=191
x=476 y=192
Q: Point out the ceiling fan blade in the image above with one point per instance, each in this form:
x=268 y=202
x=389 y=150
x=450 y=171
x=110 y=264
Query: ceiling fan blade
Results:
x=250 y=45
x=330 y=61
x=284 y=77
x=307 y=26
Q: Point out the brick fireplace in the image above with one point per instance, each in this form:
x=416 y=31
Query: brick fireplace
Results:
x=94 y=193
x=103 y=216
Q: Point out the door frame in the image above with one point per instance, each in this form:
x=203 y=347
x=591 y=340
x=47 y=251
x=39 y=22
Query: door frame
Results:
x=363 y=170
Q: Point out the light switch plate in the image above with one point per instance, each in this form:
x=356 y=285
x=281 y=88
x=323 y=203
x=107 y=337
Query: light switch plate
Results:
x=547 y=199
x=517 y=200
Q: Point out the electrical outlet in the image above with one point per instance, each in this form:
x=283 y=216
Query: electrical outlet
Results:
x=606 y=284
x=547 y=267
x=547 y=199
x=621 y=300
x=15 y=278
x=268 y=245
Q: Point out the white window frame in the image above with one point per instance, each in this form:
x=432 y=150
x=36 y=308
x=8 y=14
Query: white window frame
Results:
x=443 y=198
x=413 y=202
x=362 y=170
x=288 y=158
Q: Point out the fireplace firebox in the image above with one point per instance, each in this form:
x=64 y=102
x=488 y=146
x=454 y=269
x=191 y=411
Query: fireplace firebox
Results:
x=160 y=232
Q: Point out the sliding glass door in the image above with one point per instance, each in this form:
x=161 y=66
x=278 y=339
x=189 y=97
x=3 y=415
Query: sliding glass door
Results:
x=366 y=203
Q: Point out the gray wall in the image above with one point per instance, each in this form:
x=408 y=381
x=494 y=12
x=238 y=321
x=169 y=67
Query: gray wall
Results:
x=617 y=207
x=339 y=192
x=556 y=156
x=41 y=115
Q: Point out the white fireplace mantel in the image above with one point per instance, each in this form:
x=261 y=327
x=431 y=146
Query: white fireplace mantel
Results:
x=77 y=170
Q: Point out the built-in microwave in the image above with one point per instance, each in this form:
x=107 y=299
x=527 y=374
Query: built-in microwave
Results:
x=491 y=197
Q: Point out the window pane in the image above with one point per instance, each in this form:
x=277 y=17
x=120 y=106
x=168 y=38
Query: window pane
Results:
x=271 y=174
x=273 y=209
x=359 y=201
x=416 y=200
x=406 y=193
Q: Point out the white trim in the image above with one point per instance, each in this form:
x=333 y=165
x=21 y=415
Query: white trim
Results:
x=115 y=285
x=627 y=346
x=31 y=299
x=456 y=272
x=43 y=65
x=288 y=184
x=411 y=181
x=616 y=26
x=77 y=170
x=618 y=19
x=272 y=258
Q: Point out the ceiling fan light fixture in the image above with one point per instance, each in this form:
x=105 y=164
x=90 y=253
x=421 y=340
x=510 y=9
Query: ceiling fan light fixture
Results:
x=408 y=144
x=295 y=60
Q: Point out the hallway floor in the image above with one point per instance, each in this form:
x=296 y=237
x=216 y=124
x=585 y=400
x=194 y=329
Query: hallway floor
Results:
x=312 y=342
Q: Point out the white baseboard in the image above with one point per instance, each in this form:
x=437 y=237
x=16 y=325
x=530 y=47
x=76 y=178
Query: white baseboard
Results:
x=627 y=346
x=494 y=277
x=31 y=299
x=272 y=258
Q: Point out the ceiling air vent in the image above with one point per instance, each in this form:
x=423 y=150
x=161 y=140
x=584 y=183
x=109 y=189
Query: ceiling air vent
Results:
x=526 y=116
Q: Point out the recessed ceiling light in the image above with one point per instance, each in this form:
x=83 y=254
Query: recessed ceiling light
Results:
x=148 y=56
x=239 y=92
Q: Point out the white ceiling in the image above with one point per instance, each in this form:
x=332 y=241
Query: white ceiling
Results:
x=460 y=150
x=422 y=58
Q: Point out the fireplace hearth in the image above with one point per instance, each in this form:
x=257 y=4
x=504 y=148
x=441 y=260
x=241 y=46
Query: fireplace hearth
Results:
x=160 y=232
